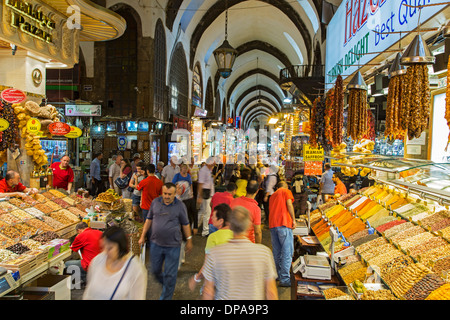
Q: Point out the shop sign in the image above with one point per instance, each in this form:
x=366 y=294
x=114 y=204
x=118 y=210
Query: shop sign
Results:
x=4 y=125
x=312 y=154
x=74 y=133
x=33 y=125
x=360 y=27
x=122 y=143
x=313 y=168
x=83 y=110
x=59 y=128
x=13 y=96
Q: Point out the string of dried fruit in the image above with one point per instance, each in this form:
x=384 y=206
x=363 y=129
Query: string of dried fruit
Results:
x=312 y=121
x=370 y=133
x=416 y=104
x=338 y=111
x=357 y=122
x=447 y=102
x=328 y=115
x=393 y=109
x=320 y=126
x=10 y=135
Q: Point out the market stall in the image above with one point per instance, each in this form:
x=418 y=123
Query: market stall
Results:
x=387 y=242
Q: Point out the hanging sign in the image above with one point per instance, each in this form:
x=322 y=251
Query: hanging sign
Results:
x=312 y=154
x=4 y=125
x=33 y=125
x=59 y=128
x=122 y=143
x=13 y=96
x=74 y=133
x=313 y=168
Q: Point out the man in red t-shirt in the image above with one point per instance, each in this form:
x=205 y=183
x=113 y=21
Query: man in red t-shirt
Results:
x=87 y=244
x=151 y=188
x=62 y=174
x=11 y=186
x=248 y=201
x=281 y=225
x=219 y=198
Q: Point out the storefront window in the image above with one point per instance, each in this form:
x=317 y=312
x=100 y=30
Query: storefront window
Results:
x=178 y=82
x=197 y=89
x=159 y=111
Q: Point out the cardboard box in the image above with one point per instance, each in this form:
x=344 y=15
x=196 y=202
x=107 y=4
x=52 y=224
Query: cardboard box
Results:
x=59 y=284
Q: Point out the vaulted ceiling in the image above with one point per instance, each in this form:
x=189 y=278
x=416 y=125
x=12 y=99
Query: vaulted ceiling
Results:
x=270 y=35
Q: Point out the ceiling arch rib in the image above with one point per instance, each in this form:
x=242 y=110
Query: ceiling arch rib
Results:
x=218 y=8
x=255 y=113
x=250 y=99
x=249 y=74
x=257 y=88
x=257 y=107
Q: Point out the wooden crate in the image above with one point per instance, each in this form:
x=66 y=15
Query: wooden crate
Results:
x=67 y=231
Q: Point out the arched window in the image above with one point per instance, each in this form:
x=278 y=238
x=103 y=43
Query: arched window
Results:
x=209 y=98
x=121 y=70
x=218 y=108
x=159 y=97
x=224 y=111
x=178 y=83
x=197 y=88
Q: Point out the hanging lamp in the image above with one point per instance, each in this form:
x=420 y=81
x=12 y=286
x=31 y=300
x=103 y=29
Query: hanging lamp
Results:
x=397 y=68
x=357 y=82
x=225 y=55
x=417 y=53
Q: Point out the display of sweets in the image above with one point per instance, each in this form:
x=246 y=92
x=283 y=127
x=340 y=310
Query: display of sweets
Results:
x=49 y=195
x=35 y=212
x=21 y=214
x=5 y=242
x=63 y=204
x=57 y=194
x=69 y=200
x=25 y=230
x=7 y=207
x=442 y=293
x=10 y=232
x=32 y=244
x=46 y=237
x=6 y=255
x=52 y=222
x=43 y=208
x=39 y=225
x=40 y=198
x=18 y=203
x=422 y=289
x=409 y=276
x=52 y=205
x=381 y=294
x=18 y=248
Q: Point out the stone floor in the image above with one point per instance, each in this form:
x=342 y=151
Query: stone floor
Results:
x=193 y=263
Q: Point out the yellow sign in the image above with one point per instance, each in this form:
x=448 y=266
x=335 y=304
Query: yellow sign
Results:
x=4 y=125
x=312 y=154
x=74 y=133
x=33 y=125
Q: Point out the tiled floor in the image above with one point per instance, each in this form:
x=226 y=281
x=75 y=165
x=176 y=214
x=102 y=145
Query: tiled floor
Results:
x=193 y=263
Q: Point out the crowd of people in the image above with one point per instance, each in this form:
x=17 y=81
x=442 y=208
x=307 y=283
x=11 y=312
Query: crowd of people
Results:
x=177 y=201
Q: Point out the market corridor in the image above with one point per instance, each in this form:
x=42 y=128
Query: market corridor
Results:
x=193 y=263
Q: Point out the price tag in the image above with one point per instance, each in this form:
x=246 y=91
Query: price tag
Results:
x=33 y=125
x=4 y=125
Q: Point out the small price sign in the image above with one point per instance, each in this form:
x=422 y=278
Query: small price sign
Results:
x=33 y=125
x=4 y=125
x=312 y=154
x=74 y=133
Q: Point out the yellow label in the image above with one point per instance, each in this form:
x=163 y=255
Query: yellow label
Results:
x=74 y=133
x=4 y=125
x=312 y=154
x=33 y=125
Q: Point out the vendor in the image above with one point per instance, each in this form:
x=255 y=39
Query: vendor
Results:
x=11 y=186
x=339 y=189
x=326 y=183
x=62 y=174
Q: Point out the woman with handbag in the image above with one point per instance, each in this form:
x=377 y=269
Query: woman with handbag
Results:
x=115 y=273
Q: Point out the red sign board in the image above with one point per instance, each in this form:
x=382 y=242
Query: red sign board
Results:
x=313 y=168
x=13 y=95
x=59 y=128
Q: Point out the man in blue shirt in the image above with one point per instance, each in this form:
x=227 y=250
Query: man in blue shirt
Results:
x=326 y=183
x=165 y=216
x=95 y=175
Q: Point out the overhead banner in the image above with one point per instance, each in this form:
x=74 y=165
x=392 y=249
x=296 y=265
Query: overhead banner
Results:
x=360 y=27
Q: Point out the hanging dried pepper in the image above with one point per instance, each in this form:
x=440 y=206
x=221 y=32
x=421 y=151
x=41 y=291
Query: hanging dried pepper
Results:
x=313 y=125
x=357 y=122
x=393 y=108
x=447 y=101
x=328 y=115
x=337 y=118
x=416 y=106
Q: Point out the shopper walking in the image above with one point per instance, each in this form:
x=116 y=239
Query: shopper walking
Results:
x=254 y=233
x=95 y=173
x=239 y=269
x=270 y=183
x=126 y=173
x=151 y=188
x=138 y=177
x=170 y=170
x=205 y=192
x=220 y=221
x=114 y=173
x=159 y=169
x=167 y=214
x=221 y=197
x=116 y=274
x=281 y=224
x=327 y=186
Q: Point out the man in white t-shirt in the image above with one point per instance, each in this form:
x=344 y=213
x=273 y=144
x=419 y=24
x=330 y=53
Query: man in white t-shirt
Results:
x=204 y=193
x=114 y=173
x=170 y=170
